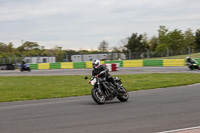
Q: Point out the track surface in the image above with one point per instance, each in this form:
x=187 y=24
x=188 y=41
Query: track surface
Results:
x=131 y=70
x=147 y=111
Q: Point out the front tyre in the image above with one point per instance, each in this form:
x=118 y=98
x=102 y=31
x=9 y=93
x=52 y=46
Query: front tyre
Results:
x=98 y=98
x=191 y=67
x=123 y=97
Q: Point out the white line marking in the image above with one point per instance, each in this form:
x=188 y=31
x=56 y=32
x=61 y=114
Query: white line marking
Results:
x=177 y=130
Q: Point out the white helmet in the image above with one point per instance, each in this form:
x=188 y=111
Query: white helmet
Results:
x=187 y=57
x=96 y=63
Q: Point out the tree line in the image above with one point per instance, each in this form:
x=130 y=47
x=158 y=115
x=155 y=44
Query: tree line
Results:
x=175 y=40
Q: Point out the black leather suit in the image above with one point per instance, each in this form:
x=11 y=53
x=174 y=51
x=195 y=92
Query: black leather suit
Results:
x=109 y=78
x=190 y=61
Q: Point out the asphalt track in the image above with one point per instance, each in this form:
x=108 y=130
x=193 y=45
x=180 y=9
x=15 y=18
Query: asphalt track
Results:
x=148 y=111
x=128 y=70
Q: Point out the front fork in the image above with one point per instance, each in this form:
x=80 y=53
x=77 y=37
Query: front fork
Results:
x=99 y=88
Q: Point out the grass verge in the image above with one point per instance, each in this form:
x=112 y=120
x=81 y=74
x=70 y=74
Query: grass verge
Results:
x=15 y=88
x=194 y=55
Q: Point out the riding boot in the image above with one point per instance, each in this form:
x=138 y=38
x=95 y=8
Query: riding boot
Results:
x=119 y=89
x=110 y=79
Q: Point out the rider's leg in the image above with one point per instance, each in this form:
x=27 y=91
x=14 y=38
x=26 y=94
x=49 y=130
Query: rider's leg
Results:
x=110 y=79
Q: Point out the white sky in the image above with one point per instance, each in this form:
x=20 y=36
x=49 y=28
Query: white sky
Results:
x=83 y=24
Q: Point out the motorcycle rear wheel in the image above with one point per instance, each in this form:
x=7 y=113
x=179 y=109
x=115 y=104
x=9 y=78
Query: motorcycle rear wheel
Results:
x=123 y=97
x=99 y=99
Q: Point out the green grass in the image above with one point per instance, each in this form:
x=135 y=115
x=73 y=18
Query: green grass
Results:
x=195 y=56
x=15 y=88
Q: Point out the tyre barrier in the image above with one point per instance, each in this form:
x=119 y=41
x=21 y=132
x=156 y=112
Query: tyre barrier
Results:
x=112 y=66
x=121 y=63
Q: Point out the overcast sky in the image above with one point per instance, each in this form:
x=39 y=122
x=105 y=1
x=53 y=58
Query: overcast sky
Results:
x=83 y=24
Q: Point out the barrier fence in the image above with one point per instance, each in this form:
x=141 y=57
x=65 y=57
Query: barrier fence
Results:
x=123 y=63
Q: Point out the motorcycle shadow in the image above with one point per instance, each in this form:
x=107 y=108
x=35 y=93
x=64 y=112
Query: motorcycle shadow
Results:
x=106 y=103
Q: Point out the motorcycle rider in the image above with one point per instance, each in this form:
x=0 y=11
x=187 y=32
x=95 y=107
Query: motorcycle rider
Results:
x=102 y=71
x=190 y=61
x=23 y=64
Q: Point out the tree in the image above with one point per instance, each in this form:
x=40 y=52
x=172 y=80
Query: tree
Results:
x=103 y=46
x=176 y=40
x=190 y=39
x=197 y=39
x=3 y=47
x=135 y=43
x=136 y=46
x=173 y=40
x=28 y=46
x=120 y=47
x=6 y=49
x=145 y=40
x=162 y=35
x=10 y=47
x=153 y=43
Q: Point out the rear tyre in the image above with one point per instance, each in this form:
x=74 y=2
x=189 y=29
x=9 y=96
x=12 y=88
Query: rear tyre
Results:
x=123 y=97
x=98 y=98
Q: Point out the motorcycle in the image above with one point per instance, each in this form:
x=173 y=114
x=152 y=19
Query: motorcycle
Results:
x=193 y=65
x=105 y=91
x=25 y=68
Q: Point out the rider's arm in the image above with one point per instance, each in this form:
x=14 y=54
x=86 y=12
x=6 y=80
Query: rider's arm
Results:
x=93 y=73
x=194 y=61
x=104 y=70
x=188 y=61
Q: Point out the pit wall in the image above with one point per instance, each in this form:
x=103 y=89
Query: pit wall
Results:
x=123 y=63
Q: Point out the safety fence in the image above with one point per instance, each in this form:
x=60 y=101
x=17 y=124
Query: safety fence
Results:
x=123 y=63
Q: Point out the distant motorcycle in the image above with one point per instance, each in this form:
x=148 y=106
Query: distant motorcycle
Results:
x=104 y=91
x=25 y=68
x=193 y=65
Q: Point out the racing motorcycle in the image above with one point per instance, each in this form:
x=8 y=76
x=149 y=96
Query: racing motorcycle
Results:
x=25 y=68
x=193 y=65
x=104 y=91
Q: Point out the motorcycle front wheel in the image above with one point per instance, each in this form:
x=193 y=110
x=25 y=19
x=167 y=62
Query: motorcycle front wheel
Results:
x=123 y=97
x=98 y=98
x=191 y=67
